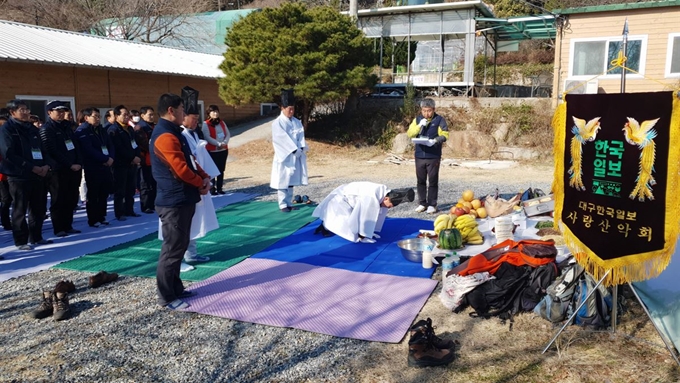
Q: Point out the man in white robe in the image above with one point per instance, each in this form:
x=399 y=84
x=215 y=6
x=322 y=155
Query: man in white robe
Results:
x=289 y=167
x=356 y=211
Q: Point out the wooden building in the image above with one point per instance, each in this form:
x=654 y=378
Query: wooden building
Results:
x=589 y=38
x=41 y=64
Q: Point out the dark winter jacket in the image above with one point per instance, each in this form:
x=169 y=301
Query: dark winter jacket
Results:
x=57 y=137
x=21 y=149
x=92 y=140
x=124 y=143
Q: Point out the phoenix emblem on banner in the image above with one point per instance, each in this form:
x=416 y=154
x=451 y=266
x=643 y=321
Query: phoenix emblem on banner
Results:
x=642 y=136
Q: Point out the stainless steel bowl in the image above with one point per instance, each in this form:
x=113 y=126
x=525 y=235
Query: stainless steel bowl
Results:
x=412 y=249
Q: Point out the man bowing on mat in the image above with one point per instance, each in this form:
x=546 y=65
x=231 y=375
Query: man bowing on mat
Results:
x=289 y=167
x=356 y=211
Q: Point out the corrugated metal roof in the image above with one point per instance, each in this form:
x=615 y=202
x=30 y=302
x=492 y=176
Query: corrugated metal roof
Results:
x=618 y=7
x=29 y=43
x=519 y=28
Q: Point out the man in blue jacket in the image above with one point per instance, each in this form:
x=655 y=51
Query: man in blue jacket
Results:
x=63 y=182
x=125 y=166
x=98 y=153
x=26 y=162
x=433 y=129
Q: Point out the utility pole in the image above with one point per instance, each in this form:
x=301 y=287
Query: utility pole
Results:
x=354 y=10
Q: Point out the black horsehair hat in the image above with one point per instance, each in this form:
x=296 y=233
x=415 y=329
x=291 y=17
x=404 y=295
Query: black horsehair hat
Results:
x=400 y=195
x=287 y=98
x=190 y=99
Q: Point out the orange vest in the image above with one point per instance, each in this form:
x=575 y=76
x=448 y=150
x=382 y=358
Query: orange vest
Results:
x=209 y=146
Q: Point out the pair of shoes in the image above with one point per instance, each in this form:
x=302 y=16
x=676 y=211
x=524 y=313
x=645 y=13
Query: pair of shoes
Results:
x=420 y=209
x=96 y=224
x=286 y=209
x=43 y=242
x=62 y=234
x=105 y=222
x=149 y=211
x=197 y=258
x=177 y=304
x=425 y=326
x=53 y=303
x=65 y=286
x=187 y=294
x=431 y=210
x=297 y=199
x=305 y=199
x=213 y=192
x=121 y=218
x=73 y=231
x=221 y=192
x=134 y=215
x=184 y=267
x=101 y=278
x=25 y=247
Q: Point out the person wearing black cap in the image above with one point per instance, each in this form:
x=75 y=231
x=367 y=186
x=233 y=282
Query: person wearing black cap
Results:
x=356 y=211
x=289 y=167
x=26 y=162
x=57 y=136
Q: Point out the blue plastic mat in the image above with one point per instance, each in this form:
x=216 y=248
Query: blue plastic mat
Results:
x=382 y=257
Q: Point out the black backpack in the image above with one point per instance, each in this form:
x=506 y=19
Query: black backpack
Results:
x=539 y=280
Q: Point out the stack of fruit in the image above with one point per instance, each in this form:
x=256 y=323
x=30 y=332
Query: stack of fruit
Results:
x=465 y=224
x=468 y=204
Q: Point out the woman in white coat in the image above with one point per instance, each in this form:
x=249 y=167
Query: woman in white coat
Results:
x=356 y=211
x=289 y=167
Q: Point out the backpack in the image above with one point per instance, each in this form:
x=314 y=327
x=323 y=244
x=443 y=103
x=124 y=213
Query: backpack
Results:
x=556 y=304
x=595 y=313
x=539 y=281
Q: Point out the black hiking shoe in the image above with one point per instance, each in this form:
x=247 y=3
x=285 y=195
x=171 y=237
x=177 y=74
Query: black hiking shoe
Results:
x=60 y=305
x=45 y=309
x=425 y=327
x=422 y=353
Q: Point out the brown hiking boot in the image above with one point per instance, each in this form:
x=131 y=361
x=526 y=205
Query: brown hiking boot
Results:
x=45 y=309
x=425 y=327
x=422 y=353
x=101 y=278
x=60 y=305
x=64 y=286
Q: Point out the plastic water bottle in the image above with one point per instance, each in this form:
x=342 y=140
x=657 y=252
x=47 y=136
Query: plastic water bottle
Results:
x=448 y=264
x=427 y=257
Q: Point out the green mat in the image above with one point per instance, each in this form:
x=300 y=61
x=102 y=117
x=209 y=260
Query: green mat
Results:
x=245 y=229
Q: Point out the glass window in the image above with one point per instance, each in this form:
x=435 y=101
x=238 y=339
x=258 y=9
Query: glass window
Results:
x=675 y=56
x=594 y=57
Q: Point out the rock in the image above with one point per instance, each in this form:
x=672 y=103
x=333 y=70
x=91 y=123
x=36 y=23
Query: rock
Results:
x=401 y=143
x=500 y=131
x=471 y=144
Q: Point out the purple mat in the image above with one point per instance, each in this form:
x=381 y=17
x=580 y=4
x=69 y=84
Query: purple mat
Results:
x=348 y=304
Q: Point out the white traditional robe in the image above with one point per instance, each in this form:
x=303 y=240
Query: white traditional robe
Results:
x=354 y=209
x=288 y=168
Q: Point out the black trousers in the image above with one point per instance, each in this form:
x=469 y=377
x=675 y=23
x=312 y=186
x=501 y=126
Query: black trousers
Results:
x=220 y=159
x=99 y=186
x=124 y=179
x=427 y=174
x=176 y=228
x=5 y=204
x=63 y=186
x=28 y=196
x=147 y=189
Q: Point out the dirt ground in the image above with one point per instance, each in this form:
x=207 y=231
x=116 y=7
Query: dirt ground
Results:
x=328 y=162
x=488 y=350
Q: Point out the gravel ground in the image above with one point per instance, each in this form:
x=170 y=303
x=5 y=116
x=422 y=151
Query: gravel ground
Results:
x=118 y=334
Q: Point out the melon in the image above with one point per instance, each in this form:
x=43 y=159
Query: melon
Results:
x=450 y=239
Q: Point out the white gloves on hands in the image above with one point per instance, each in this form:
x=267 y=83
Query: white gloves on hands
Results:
x=431 y=142
x=366 y=240
x=423 y=122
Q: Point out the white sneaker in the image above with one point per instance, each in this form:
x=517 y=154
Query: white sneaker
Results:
x=431 y=210
x=185 y=267
x=420 y=209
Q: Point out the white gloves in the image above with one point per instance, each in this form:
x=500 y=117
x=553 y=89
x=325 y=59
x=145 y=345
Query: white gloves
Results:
x=423 y=122
x=431 y=142
x=366 y=240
